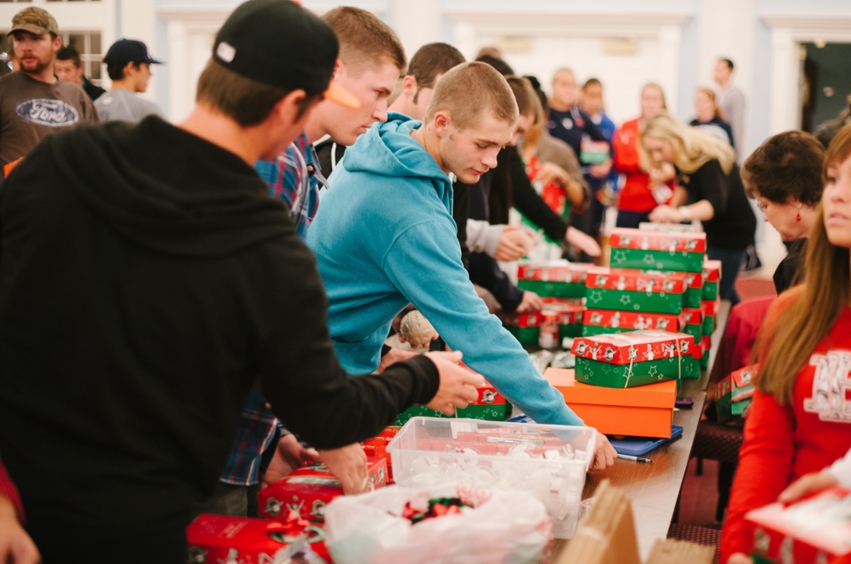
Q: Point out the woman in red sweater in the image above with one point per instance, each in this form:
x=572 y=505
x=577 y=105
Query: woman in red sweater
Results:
x=16 y=546
x=800 y=418
x=636 y=198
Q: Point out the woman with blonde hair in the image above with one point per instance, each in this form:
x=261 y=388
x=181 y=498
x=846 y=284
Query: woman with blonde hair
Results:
x=709 y=117
x=713 y=194
x=800 y=418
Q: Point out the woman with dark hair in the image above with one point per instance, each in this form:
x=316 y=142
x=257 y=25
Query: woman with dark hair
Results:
x=799 y=419
x=784 y=175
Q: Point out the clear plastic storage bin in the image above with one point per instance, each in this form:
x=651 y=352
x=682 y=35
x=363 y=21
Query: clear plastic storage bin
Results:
x=550 y=461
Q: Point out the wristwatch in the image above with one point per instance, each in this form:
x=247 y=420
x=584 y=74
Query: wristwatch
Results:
x=684 y=211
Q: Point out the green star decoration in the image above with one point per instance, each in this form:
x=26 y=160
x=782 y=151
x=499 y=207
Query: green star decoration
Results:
x=636 y=307
x=596 y=296
x=653 y=370
x=648 y=259
x=620 y=256
x=625 y=299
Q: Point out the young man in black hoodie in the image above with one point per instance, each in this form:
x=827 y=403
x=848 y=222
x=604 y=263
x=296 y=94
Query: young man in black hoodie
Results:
x=147 y=280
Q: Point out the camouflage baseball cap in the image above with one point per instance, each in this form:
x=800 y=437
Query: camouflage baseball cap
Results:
x=34 y=20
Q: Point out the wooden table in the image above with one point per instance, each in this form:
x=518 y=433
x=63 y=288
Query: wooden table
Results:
x=654 y=488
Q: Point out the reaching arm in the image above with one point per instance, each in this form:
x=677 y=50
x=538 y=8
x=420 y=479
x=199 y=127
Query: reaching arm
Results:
x=424 y=265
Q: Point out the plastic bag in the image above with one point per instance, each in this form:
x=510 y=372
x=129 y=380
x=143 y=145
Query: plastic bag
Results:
x=502 y=527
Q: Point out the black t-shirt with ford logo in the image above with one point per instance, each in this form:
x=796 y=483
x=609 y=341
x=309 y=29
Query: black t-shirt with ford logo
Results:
x=30 y=110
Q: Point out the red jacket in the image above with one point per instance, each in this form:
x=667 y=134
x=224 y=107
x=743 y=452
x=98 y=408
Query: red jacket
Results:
x=635 y=194
x=782 y=443
x=8 y=489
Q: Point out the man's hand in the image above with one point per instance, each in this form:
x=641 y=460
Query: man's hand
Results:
x=289 y=456
x=583 y=242
x=665 y=214
x=601 y=170
x=740 y=558
x=604 y=453
x=348 y=464
x=513 y=244
x=531 y=303
x=806 y=485
x=16 y=547
x=457 y=385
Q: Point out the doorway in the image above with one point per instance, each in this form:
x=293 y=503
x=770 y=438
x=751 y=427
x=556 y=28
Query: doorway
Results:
x=825 y=82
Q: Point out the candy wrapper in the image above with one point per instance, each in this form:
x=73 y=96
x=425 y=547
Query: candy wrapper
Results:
x=557 y=278
x=219 y=539
x=815 y=530
x=733 y=393
x=681 y=252
x=634 y=359
x=633 y=290
x=498 y=527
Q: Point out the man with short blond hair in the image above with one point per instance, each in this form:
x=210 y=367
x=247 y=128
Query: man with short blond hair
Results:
x=384 y=237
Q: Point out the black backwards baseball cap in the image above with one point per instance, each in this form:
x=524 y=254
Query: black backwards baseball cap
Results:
x=281 y=44
x=126 y=51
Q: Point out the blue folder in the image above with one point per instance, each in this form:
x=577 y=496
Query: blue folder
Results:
x=639 y=446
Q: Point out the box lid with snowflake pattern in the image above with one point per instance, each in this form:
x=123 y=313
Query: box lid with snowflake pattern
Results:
x=635 y=280
x=636 y=346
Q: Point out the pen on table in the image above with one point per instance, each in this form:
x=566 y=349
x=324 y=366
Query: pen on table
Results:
x=635 y=458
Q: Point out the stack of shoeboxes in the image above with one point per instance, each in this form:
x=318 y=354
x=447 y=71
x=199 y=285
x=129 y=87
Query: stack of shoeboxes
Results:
x=561 y=284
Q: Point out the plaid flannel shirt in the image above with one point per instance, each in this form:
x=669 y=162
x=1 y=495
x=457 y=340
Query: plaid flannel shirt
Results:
x=295 y=178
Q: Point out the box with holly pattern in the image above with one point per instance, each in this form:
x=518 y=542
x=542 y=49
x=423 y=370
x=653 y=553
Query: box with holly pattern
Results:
x=603 y=322
x=623 y=360
x=557 y=278
x=681 y=252
x=635 y=290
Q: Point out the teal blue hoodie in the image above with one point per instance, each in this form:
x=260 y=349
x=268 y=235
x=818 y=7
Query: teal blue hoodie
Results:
x=384 y=237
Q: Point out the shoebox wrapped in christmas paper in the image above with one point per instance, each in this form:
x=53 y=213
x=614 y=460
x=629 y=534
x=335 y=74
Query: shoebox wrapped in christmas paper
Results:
x=711 y=278
x=815 y=530
x=309 y=489
x=525 y=327
x=555 y=278
x=705 y=346
x=643 y=411
x=733 y=393
x=606 y=322
x=681 y=252
x=694 y=290
x=376 y=447
x=623 y=360
x=668 y=227
x=709 y=309
x=490 y=406
x=570 y=316
x=635 y=290
x=220 y=539
x=691 y=320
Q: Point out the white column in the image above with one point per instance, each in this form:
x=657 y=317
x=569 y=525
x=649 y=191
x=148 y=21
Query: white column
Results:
x=416 y=22
x=180 y=104
x=784 y=83
x=669 y=40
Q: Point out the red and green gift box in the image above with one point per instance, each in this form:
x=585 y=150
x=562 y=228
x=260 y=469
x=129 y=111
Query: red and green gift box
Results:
x=557 y=278
x=525 y=327
x=694 y=290
x=634 y=359
x=654 y=250
x=692 y=324
x=570 y=316
x=606 y=322
x=815 y=530
x=729 y=402
x=710 y=309
x=490 y=406
x=711 y=278
x=216 y=539
x=307 y=490
x=635 y=290
x=705 y=345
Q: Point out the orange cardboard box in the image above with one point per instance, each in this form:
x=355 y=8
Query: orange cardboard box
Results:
x=642 y=411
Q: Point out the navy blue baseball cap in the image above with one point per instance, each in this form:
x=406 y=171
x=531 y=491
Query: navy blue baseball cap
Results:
x=126 y=51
